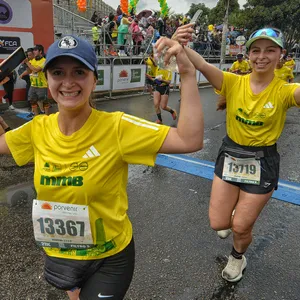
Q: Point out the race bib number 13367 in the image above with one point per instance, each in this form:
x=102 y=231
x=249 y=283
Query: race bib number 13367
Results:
x=61 y=225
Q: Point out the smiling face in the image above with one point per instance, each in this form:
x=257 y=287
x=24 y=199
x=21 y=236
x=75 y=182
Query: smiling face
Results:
x=70 y=83
x=264 y=55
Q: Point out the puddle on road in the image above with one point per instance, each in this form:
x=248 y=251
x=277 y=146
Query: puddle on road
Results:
x=227 y=290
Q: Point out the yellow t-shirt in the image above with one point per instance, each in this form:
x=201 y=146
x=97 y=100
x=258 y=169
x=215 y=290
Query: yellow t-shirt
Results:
x=256 y=120
x=290 y=63
x=242 y=66
x=38 y=79
x=95 y=34
x=166 y=75
x=151 y=68
x=97 y=157
x=284 y=73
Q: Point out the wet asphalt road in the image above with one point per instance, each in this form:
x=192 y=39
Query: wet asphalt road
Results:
x=178 y=256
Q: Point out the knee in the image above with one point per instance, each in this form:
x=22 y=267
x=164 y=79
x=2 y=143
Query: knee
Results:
x=218 y=222
x=164 y=106
x=241 y=229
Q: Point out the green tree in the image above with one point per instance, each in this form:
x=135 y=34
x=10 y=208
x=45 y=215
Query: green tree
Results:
x=194 y=7
x=217 y=13
x=282 y=14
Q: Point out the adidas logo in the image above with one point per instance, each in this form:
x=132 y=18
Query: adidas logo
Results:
x=268 y=105
x=92 y=152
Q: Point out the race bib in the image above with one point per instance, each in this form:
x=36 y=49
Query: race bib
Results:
x=244 y=170
x=61 y=225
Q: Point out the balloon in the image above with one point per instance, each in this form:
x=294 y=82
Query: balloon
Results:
x=81 y=5
x=124 y=6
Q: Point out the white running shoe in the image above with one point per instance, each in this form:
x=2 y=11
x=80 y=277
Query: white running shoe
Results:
x=223 y=234
x=11 y=107
x=3 y=100
x=233 y=271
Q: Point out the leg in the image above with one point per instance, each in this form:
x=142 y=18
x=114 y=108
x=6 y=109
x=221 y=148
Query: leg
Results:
x=223 y=199
x=247 y=211
x=113 y=278
x=164 y=104
x=74 y=295
x=156 y=101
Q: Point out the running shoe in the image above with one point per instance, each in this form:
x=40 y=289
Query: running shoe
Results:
x=174 y=115
x=233 y=271
x=223 y=234
x=11 y=107
x=3 y=100
x=158 y=121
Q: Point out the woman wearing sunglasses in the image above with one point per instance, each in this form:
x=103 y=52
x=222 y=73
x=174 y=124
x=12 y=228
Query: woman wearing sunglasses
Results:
x=247 y=166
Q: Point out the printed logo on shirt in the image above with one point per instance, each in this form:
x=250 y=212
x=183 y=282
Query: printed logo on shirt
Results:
x=92 y=152
x=246 y=120
x=61 y=180
x=268 y=105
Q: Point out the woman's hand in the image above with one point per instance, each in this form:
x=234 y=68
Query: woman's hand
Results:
x=6 y=79
x=175 y=49
x=183 y=34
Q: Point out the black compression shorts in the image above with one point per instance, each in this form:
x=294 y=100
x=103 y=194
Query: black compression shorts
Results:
x=109 y=276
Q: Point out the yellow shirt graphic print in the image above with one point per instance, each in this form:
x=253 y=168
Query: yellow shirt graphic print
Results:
x=90 y=167
x=38 y=79
x=256 y=119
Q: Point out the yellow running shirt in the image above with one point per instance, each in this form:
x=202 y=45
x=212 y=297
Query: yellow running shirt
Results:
x=242 y=66
x=290 y=63
x=90 y=167
x=166 y=75
x=256 y=120
x=38 y=79
x=284 y=73
x=151 y=68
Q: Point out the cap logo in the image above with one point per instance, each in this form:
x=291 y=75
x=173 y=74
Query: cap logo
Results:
x=68 y=42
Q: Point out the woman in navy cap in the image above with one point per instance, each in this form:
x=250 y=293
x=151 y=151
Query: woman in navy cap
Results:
x=81 y=160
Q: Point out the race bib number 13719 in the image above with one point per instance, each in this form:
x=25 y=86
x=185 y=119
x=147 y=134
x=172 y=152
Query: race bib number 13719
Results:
x=61 y=225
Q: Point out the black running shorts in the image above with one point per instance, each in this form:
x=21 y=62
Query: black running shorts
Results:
x=269 y=166
x=109 y=276
x=162 y=89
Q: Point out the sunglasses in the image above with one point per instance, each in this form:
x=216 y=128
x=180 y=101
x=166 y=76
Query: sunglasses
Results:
x=270 y=32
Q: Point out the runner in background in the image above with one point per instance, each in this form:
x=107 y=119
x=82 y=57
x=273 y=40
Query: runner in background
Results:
x=161 y=94
x=240 y=66
x=247 y=166
x=151 y=68
x=284 y=72
x=290 y=62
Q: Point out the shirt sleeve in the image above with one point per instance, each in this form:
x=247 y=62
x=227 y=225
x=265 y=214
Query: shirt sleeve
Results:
x=287 y=94
x=140 y=140
x=19 y=142
x=228 y=82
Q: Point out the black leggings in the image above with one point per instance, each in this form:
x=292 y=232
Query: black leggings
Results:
x=109 y=276
x=9 y=90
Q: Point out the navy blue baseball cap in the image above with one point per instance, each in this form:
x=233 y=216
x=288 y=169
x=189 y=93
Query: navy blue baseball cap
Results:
x=75 y=47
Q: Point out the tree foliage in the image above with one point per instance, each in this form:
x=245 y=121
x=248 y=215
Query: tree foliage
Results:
x=282 y=14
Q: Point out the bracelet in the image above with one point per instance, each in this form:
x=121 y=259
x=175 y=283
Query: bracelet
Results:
x=7 y=129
